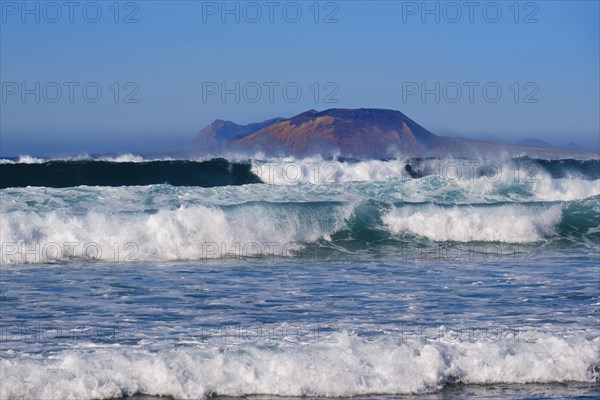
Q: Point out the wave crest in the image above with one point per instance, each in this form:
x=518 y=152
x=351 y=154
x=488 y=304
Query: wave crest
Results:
x=506 y=223
x=349 y=366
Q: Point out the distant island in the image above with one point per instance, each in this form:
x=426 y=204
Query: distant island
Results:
x=357 y=133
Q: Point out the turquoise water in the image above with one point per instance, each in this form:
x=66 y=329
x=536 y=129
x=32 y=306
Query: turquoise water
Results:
x=368 y=283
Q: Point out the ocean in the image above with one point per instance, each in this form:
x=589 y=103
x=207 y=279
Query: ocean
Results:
x=285 y=278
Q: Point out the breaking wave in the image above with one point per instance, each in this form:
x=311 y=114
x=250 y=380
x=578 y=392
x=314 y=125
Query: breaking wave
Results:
x=198 y=232
x=345 y=366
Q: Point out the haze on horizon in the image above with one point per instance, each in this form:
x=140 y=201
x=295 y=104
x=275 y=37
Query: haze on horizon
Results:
x=168 y=69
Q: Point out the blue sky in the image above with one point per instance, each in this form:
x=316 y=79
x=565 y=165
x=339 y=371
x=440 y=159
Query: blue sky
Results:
x=161 y=68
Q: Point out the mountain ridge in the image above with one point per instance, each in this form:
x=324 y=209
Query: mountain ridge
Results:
x=358 y=133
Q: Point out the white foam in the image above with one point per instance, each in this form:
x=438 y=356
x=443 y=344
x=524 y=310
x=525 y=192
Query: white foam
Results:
x=506 y=223
x=25 y=159
x=186 y=233
x=123 y=158
x=507 y=183
x=127 y=157
x=291 y=171
x=447 y=177
x=567 y=189
x=349 y=366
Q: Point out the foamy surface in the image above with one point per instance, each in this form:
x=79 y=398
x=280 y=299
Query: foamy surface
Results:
x=360 y=282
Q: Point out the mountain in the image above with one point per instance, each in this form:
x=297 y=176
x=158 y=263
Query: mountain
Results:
x=357 y=133
x=362 y=133
x=222 y=131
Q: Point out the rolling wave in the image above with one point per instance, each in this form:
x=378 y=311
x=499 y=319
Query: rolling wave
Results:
x=505 y=223
x=290 y=171
x=259 y=229
x=342 y=365
x=174 y=210
x=128 y=170
x=215 y=172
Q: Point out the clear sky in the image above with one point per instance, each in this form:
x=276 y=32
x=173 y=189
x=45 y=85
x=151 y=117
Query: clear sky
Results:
x=166 y=69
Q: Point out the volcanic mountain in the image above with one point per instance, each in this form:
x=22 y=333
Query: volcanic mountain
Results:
x=357 y=133
x=222 y=131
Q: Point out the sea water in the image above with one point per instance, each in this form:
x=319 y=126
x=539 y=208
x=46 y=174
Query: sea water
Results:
x=336 y=278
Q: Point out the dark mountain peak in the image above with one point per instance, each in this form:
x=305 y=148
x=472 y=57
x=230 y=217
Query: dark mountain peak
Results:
x=220 y=125
x=360 y=115
x=221 y=131
x=303 y=117
x=365 y=114
x=221 y=122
